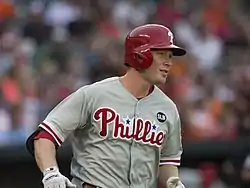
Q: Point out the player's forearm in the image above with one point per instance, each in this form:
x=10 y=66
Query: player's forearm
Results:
x=167 y=171
x=45 y=153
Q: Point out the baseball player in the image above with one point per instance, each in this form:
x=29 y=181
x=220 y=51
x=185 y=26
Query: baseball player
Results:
x=125 y=132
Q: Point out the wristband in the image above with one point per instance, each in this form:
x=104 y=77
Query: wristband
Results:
x=50 y=169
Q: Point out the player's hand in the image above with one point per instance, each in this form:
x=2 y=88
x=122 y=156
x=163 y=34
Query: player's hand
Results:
x=52 y=178
x=174 y=182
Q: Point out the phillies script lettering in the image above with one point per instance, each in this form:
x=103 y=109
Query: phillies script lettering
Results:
x=142 y=130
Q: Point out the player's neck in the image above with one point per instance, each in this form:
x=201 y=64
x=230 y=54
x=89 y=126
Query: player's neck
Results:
x=136 y=85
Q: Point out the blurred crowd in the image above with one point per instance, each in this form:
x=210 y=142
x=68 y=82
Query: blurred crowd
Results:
x=49 y=48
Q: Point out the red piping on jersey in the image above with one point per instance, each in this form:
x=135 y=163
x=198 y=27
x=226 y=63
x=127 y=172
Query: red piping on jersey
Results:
x=170 y=161
x=53 y=134
x=46 y=135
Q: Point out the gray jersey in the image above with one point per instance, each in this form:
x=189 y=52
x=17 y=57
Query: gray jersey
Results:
x=117 y=140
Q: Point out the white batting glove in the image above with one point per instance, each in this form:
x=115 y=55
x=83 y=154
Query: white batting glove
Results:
x=52 y=178
x=174 y=182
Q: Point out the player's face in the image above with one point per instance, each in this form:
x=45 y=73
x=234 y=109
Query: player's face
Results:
x=158 y=72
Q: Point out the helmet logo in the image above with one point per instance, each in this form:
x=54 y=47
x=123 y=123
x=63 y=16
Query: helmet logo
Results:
x=170 y=34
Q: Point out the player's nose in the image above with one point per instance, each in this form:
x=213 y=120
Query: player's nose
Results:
x=168 y=63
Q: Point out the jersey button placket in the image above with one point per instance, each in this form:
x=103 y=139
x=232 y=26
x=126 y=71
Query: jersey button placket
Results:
x=133 y=148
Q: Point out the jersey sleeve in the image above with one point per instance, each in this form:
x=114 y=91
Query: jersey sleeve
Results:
x=172 y=149
x=68 y=115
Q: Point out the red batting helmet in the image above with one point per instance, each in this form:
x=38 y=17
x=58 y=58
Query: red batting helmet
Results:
x=142 y=39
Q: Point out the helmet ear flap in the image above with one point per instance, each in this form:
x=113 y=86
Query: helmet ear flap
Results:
x=143 y=59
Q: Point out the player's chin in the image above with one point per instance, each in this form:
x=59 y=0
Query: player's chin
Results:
x=161 y=80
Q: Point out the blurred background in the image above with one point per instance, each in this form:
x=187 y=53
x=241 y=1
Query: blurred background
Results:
x=49 y=48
